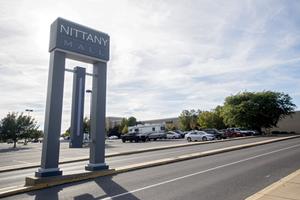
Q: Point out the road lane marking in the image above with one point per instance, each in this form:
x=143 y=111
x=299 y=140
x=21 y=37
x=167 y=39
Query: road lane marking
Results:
x=151 y=155
x=20 y=161
x=200 y=172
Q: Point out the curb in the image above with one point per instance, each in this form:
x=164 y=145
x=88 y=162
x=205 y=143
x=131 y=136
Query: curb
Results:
x=8 y=169
x=266 y=191
x=89 y=175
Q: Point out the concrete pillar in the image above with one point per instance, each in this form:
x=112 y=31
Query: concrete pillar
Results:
x=77 y=112
x=53 y=114
x=97 y=145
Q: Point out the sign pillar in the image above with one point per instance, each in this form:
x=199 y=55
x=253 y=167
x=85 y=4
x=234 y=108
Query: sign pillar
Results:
x=97 y=145
x=74 y=41
x=52 y=126
x=76 y=128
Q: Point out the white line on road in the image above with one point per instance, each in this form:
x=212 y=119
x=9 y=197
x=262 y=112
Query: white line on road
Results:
x=152 y=155
x=200 y=172
x=20 y=161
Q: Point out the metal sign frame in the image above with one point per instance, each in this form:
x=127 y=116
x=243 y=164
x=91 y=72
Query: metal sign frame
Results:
x=60 y=50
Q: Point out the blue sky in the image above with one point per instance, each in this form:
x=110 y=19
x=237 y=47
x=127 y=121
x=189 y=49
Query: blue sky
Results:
x=166 y=56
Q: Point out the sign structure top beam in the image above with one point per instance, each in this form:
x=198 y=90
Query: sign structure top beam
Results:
x=79 y=42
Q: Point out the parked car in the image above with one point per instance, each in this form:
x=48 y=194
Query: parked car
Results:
x=135 y=137
x=233 y=132
x=239 y=132
x=248 y=132
x=180 y=132
x=113 y=137
x=218 y=135
x=155 y=136
x=198 y=136
x=21 y=141
x=9 y=141
x=173 y=135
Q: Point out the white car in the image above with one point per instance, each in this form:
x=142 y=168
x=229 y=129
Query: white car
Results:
x=198 y=136
x=173 y=135
x=113 y=137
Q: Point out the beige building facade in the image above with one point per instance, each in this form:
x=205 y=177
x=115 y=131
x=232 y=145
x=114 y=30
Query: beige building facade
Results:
x=290 y=123
x=169 y=122
x=173 y=121
x=111 y=122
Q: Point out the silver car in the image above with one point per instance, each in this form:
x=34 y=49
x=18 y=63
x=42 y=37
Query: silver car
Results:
x=198 y=136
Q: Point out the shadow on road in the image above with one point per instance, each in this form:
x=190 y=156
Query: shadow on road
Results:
x=79 y=191
x=47 y=194
x=11 y=149
x=86 y=146
x=110 y=188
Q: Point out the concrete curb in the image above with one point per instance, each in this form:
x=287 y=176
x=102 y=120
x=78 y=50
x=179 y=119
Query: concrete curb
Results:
x=89 y=175
x=266 y=191
x=29 y=166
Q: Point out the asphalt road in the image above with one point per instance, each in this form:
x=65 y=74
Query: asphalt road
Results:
x=31 y=154
x=232 y=175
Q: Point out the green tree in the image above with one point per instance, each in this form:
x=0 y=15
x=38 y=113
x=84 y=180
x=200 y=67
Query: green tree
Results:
x=36 y=134
x=212 y=119
x=131 y=121
x=15 y=127
x=114 y=131
x=188 y=119
x=257 y=110
x=124 y=123
x=86 y=125
x=86 y=128
x=67 y=133
x=125 y=129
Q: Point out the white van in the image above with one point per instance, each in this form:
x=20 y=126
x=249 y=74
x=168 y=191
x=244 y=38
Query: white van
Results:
x=147 y=128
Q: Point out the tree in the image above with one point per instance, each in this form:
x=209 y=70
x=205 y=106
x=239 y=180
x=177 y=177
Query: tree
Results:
x=125 y=129
x=36 y=134
x=131 y=121
x=212 y=119
x=188 y=120
x=257 y=110
x=15 y=127
x=86 y=125
x=124 y=123
x=114 y=131
x=170 y=126
x=67 y=133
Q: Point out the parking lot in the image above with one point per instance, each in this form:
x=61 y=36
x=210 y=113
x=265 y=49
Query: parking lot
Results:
x=31 y=153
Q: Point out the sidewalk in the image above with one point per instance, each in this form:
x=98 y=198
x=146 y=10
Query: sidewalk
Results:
x=287 y=188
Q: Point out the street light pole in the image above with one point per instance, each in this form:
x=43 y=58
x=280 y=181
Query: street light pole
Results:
x=90 y=92
x=29 y=111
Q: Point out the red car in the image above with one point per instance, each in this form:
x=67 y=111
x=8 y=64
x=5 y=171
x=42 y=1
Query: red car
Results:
x=233 y=132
